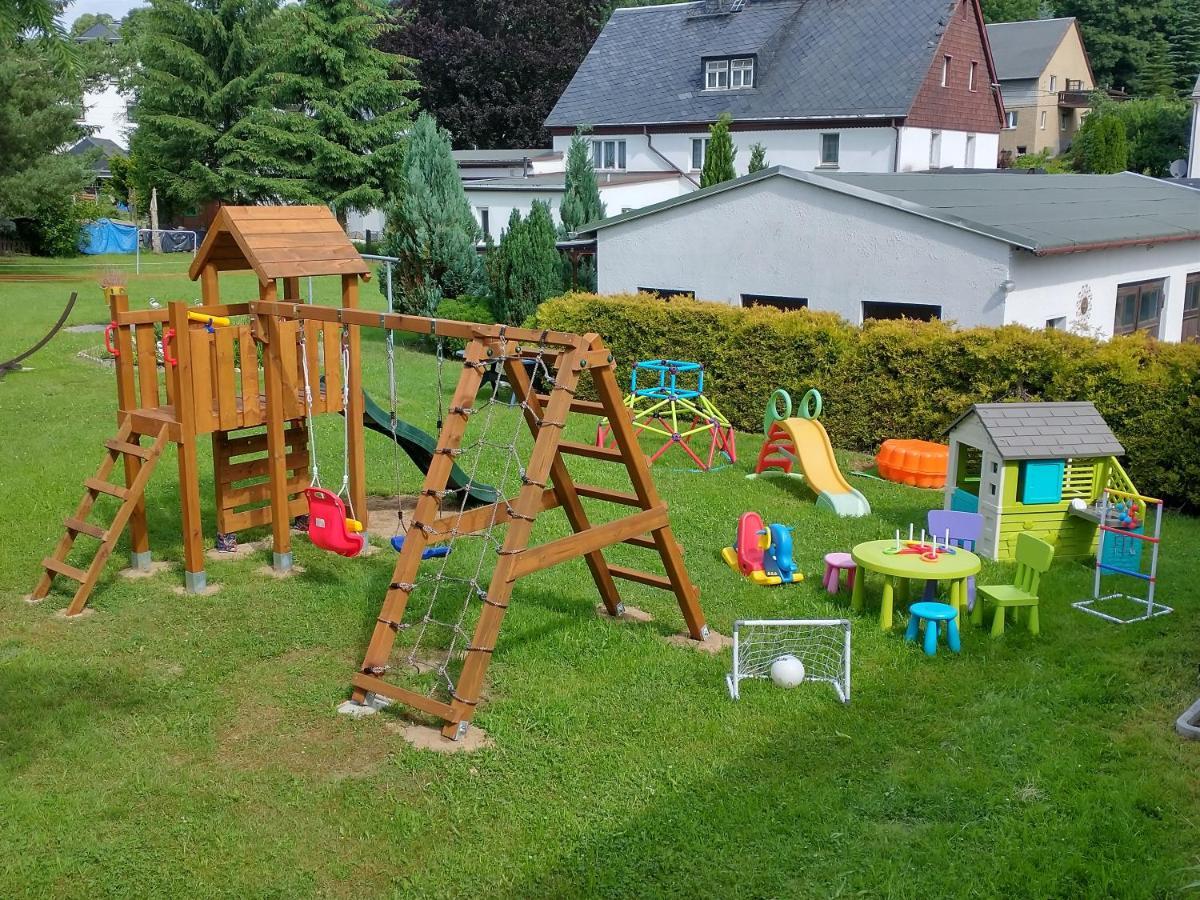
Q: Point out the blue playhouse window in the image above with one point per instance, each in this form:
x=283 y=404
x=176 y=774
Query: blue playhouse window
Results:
x=1041 y=481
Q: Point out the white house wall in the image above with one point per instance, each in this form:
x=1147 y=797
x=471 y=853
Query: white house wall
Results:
x=618 y=198
x=501 y=203
x=1052 y=287
x=785 y=238
x=861 y=149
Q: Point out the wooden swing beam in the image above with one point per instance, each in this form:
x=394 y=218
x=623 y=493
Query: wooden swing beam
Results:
x=547 y=485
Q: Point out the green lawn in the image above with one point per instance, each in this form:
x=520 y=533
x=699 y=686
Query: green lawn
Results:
x=172 y=746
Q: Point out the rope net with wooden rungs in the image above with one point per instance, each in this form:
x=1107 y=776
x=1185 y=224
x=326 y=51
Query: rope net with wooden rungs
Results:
x=457 y=584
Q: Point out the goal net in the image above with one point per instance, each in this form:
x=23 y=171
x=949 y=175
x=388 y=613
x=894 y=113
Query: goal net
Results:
x=822 y=645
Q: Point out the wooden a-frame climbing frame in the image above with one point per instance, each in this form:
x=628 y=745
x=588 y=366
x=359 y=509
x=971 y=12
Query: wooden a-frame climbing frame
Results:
x=546 y=484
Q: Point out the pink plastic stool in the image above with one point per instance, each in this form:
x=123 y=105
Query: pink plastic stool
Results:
x=834 y=563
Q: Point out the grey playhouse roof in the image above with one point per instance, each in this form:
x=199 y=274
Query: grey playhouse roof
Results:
x=1023 y=49
x=1045 y=214
x=816 y=59
x=1045 y=430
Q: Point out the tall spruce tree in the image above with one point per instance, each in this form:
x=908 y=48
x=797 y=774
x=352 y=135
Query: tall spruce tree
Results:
x=199 y=75
x=719 y=157
x=581 y=200
x=581 y=204
x=430 y=227
x=1101 y=146
x=758 y=158
x=336 y=107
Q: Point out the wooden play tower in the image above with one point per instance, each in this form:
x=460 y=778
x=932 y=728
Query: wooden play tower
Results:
x=243 y=385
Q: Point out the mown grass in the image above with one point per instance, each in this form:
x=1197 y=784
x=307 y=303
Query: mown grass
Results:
x=183 y=746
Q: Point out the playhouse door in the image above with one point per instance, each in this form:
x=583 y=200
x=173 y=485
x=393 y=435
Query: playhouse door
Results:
x=968 y=474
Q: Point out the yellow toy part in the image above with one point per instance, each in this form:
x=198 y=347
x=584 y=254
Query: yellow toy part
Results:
x=354 y=526
x=219 y=321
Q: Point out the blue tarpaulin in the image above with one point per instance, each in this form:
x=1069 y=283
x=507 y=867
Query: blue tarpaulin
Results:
x=107 y=236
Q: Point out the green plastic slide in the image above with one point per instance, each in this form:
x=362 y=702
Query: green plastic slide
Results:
x=420 y=446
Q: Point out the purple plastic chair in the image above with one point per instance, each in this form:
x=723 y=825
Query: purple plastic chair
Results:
x=965 y=529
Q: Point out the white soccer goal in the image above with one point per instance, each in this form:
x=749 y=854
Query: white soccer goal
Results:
x=823 y=645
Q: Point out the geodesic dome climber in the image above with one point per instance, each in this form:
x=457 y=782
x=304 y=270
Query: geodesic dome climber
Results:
x=675 y=408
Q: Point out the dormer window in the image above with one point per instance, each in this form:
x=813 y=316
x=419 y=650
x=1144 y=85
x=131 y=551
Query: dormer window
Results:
x=729 y=74
x=716 y=75
x=741 y=73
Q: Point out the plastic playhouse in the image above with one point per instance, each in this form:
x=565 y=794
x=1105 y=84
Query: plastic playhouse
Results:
x=1043 y=468
x=762 y=553
x=803 y=441
x=673 y=410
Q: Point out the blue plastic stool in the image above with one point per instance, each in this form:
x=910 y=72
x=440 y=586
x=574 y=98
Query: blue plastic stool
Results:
x=932 y=613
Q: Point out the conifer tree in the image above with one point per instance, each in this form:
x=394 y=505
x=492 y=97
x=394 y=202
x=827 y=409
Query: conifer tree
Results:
x=199 y=73
x=335 y=109
x=758 y=158
x=581 y=204
x=1101 y=147
x=431 y=228
x=581 y=201
x=527 y=267
x=718 y=159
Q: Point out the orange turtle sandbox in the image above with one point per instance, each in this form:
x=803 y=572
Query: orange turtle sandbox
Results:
x=917 y=463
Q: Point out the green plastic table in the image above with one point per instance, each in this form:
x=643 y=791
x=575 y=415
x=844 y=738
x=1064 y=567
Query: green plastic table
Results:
x=870 y=557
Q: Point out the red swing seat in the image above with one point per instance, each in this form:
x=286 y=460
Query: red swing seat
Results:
x=327 y=523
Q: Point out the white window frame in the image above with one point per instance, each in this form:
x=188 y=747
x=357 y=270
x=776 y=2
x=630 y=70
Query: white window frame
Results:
x=971 y=76
x=741 y=73
x=716 y=75
x=703 y=142
x=1042 y=121
x=1010 y=119
x=935 y=149
x=946 y=63
x=1054 y=84
x=600 y=154
x=484 y=219
x=969 y=155
x=834 y=161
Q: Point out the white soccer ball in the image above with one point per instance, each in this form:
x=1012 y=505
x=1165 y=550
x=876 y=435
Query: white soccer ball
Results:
x=787 y=671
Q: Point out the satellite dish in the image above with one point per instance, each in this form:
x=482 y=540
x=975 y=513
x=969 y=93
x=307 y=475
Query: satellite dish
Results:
x=1179 y=168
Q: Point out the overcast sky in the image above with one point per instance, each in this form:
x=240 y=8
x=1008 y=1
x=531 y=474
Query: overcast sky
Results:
x=115 y=8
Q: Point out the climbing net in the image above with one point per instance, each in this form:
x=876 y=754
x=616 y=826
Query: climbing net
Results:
x=445 y=597
x=822 y=645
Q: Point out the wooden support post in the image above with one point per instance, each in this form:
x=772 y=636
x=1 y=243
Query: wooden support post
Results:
x=404 y=573
x=526 y=506
x=622 y=430
x=564 y=486
x=127 y=399
x=210 y=291
x=281 y=536
x=291 y=288
x=194 y=577
x=354 y=408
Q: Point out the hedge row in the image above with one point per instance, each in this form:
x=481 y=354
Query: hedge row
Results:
x=912 y=379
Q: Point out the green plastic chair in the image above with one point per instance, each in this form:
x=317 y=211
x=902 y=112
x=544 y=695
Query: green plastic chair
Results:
x=1033 y=560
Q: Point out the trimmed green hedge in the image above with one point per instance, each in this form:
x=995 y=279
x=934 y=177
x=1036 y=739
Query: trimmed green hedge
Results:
x=908 y=379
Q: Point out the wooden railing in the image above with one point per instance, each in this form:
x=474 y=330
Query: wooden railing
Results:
x=222 y=365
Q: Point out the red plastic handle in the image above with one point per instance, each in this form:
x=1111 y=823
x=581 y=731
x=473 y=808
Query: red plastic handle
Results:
x=168 y=336
x=109 y=329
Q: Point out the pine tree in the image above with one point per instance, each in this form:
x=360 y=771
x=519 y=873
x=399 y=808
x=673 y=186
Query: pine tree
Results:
x=581 y=200
x=1185 y=44
x=758 y=158
x=199 y=74
x=330 y=131
x=527 y=269
x=431 y=228
x=719 y=157
x=581 y=204
x=1156 y=78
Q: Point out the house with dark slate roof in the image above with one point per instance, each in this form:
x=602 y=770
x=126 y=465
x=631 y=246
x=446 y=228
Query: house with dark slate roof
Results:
x=1033 y=467
x=1046 y=80
x=830 y=85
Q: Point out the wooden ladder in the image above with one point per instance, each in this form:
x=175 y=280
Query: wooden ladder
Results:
x=546 y=484
x=140 y=460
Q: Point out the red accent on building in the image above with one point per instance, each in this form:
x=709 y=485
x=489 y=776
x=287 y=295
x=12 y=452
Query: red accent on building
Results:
x=956 y=107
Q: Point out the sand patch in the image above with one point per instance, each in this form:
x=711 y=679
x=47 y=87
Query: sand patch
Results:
x=628 y=614
x=155 y=568
x=425 y=737
x=712 y=645
x=242 y=551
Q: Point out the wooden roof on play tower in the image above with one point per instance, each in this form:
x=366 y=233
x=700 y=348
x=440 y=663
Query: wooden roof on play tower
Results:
x=278 y=242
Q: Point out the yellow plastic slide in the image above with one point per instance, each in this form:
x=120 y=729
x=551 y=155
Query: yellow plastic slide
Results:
x=814 y=453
